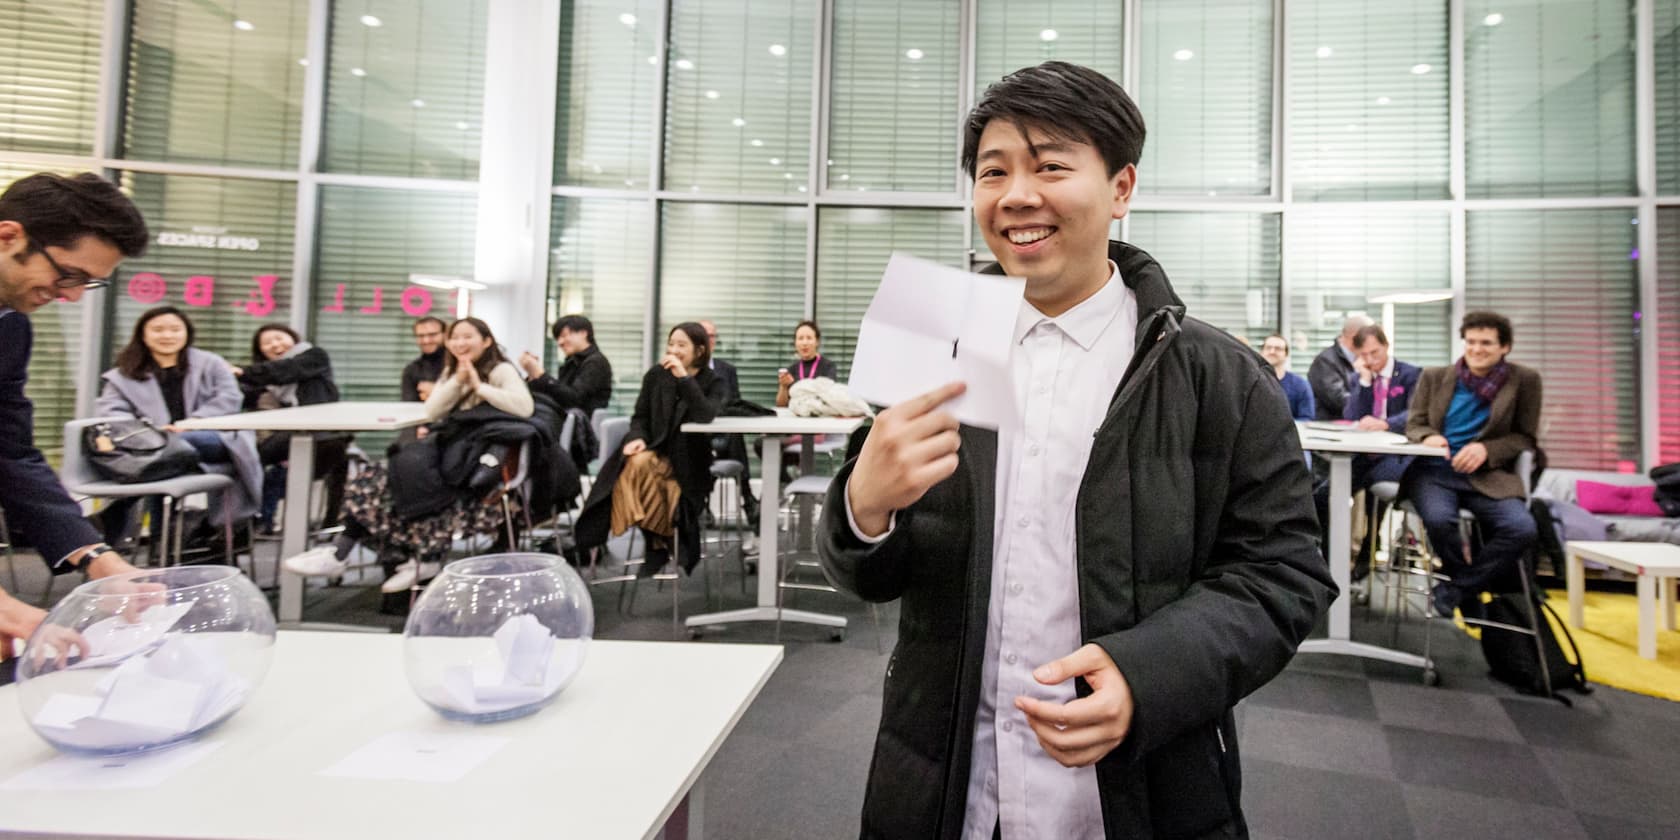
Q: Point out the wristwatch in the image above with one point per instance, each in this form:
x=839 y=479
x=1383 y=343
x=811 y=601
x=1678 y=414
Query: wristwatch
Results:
x=65 y=564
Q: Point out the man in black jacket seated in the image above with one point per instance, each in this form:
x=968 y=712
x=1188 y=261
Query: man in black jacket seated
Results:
x=420 y=374
x=731 y=447
x=59 y=238
x=1332 y=367
x=585 y=379
x=1087 y=594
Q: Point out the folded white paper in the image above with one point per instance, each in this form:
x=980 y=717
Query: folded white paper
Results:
x=176 y=686
x=119 y=637
x=515 y=673
x=419 y=756
x=75 y=772
x=931 y=324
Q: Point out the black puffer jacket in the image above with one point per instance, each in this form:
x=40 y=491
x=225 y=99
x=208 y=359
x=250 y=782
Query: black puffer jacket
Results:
x=450 y=462
x=1199 y=573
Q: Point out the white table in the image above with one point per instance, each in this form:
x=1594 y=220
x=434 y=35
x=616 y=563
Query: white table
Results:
x=1657 y=565
x=1339 y=447
x=774 y=429
x=619 y=754
x=304 y=423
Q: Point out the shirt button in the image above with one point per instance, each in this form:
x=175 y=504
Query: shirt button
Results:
x=1015 y=587
x=1023 y=522
x=1032 y=449
x=1010 y=659
x=1009 y=726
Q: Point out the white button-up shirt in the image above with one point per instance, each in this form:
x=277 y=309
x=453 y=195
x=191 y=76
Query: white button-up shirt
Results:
x=1065 y=370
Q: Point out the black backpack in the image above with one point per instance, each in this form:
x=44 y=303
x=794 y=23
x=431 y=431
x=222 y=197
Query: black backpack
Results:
x=1511 y=656
x=1667 y=492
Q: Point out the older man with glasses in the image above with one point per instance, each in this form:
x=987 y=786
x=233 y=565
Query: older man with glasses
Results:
x=59 y=238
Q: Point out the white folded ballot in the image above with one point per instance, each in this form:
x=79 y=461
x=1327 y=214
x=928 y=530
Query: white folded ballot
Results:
x=931 y=324
x=516 y=673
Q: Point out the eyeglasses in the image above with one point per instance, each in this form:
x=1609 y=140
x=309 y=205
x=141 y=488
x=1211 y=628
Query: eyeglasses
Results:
x=70 y=278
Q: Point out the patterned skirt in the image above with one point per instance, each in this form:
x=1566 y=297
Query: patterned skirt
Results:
x=367 y=501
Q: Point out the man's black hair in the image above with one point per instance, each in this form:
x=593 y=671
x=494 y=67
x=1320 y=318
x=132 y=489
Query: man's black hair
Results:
x=430 y=319
x=575 y=323
x=1484 y=320
x=1367 y=332
x=57 y=210
x=1065 y=102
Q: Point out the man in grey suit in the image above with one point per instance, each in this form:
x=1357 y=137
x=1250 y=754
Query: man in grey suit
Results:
x=1331 y=369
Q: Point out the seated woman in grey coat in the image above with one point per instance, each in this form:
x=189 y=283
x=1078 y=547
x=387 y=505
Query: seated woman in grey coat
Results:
x=161 y=377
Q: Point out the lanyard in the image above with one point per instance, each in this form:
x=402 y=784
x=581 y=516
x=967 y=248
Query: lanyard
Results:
x=804 y=374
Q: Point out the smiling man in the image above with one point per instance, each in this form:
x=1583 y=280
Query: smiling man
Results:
x=1088 y=594
x=59 y=238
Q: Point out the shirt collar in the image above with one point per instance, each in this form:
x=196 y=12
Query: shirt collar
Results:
x=1346 y=353
x=1086 y=321
x=1388 y=370
x=6 y=310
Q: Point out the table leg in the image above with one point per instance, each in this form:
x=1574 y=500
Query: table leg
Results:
x=1576 y=577
x=688 y=821
x=1667 y=597
x=807 y=465
x=1648 y=616
x=294 y=532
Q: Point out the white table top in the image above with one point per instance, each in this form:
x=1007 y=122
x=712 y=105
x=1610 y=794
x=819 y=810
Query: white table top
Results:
x=1638 y=557
x=324 y=417
x=1352 y=440
x=781 y=424
x=610 y=758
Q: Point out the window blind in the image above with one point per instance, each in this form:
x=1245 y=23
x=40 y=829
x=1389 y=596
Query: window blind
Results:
x=1668 y=334
x=755 y=135
x=370 y=242
x=405 y=87
x=52 y=360
x=1548 y=97
x=1224 y=265
x=1340 y=258
x=893 y=108
x=1012 y=34
x=1205 y=89
x=221 y=252
x=1667 y=16
x=1364 y=122
x=49 y=75
x=853 y=246
x=216 y=83
x=1568 y=282
x=741 y=267
x=604 y=117
x=598 y=267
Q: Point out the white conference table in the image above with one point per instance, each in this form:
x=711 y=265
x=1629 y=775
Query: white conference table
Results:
x=304 y=423
x=775 y=430
x=619 y=755
x=1340 y=445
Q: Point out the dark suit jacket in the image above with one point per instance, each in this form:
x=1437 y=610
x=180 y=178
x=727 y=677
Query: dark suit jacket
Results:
x=1328 y=375
x=38 y=511
x=726 y=374
x=1361 y=401
x=1513 y=424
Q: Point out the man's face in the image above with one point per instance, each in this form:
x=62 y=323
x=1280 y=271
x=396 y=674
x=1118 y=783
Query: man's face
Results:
x=28 y=278
x=1275 y=351
x=1044 y=206
x=428 y=337
x=572 y=342
x=1374 y=354
x=1482 y=349
x=711 y=335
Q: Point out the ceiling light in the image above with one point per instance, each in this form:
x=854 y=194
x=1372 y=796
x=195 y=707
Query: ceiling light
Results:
x=358 y=72
x=737 y=122
x=463 y=125
x=244 y=25
x=629 y=183
x=711 y=94
x=775 y=161
x=1184 y=55
x=757 y=142
x=1420 y=69
x=627 y=19
x=1493 y=20
x=653 y=59
x=1325 y=52
x=913 y=54
x=845 y=177
x=418 y=103
x=303 y=62
x=370 y=20
x=1383 y=100
x=801 y=187
x=684 y=64
x=778 y=50
x=1048 y=35
x=787 y=175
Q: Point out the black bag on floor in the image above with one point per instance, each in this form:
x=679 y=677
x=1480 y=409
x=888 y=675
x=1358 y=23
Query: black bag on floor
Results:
x=1511 y=655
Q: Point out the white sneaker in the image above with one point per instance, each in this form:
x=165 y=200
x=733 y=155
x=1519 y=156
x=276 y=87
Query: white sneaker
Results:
x=404 y=576
x=749 y=544
x=316 y=562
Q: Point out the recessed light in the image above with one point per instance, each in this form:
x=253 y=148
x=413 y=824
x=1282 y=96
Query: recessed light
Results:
x=684 y=64
x=914 y=54
x=303 y=62
x=1048 y=35
x=801 y=187
x=1184 y=55
x=1420 y=69
x=244 y=25
x=787 y=176
x=712 y=94
x=757 y=142
x=1325 y=52
x=370 y=20
x=627 y=19
x=418 y=103
x=737 y=122
x=358 y=72
x=778 y=50
x=653 y=59
x=775 y=161
x=1493 y=19
x=845 y=177
x=1383 y=100
x=463 y=125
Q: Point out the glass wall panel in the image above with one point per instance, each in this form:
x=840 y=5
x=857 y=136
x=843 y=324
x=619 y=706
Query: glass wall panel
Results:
x=599 y=252
x=49 y=75
x=1548 y=92
x=216 y=83
x=1224 y=265
x=742 y=267
x=754 y=135
x=1011 y=34
x=603 y=133
x=1367 y=121
x=1668 y=334
x=405 y=87
x=1667 y=16
x=893 y=112
x=1568 y=280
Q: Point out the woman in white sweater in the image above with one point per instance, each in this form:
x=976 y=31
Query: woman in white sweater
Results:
x=475 y=372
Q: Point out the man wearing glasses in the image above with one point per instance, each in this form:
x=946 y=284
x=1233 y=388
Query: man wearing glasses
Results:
x=60 y=237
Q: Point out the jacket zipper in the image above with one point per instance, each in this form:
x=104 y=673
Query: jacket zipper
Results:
x=1220 y=731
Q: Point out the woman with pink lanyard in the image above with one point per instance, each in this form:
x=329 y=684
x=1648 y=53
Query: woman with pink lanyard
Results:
x=808 y=364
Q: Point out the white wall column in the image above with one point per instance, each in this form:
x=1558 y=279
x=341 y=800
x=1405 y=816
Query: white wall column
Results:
x=516 y=170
